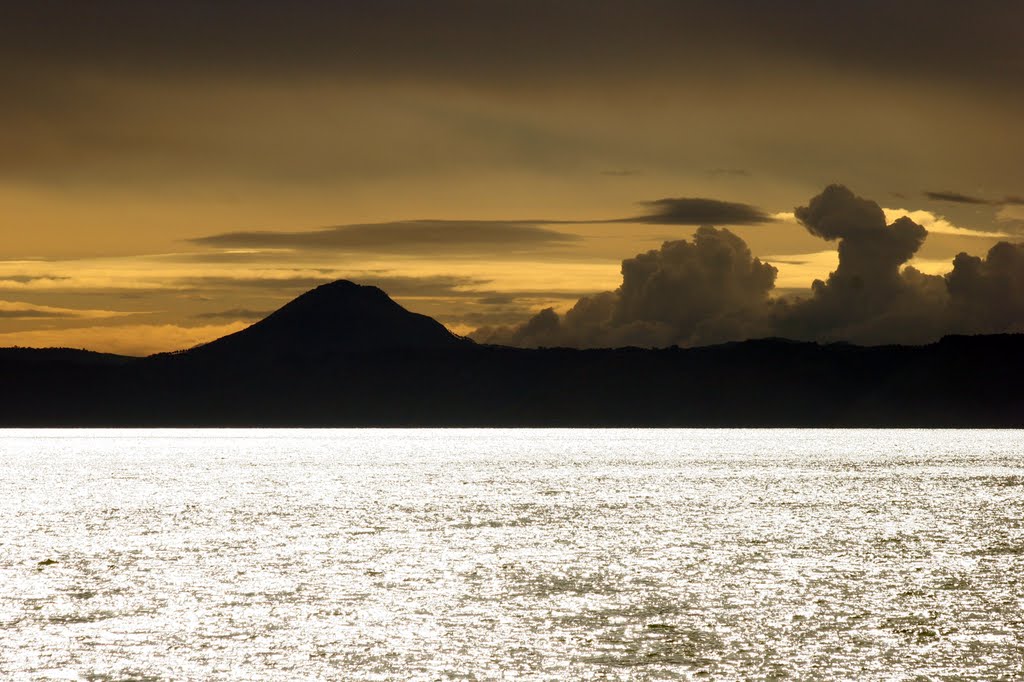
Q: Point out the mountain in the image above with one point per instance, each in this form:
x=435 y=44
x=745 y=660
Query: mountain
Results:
x=347 y=355
x=340 y=317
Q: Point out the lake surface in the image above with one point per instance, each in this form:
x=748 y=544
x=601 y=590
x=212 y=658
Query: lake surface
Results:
x=511 y=554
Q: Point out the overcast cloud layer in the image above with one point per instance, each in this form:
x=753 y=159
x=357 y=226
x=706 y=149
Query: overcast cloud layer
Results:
x=530 y=40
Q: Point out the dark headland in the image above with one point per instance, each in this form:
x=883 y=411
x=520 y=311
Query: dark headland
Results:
x=347 y=355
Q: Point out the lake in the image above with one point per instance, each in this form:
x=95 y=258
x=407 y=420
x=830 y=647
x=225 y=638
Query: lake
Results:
x=511 y=554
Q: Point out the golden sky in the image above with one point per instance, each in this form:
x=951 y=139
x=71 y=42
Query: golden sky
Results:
x=171 y=171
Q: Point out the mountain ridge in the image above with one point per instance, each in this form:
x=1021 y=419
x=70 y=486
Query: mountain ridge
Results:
x=348 y=355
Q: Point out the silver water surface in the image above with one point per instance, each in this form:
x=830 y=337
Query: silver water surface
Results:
x=504 y=554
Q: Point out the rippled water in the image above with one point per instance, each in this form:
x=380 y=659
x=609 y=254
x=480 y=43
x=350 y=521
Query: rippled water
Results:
x=494 y=554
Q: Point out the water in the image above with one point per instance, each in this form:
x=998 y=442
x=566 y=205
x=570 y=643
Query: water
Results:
x=493 y=554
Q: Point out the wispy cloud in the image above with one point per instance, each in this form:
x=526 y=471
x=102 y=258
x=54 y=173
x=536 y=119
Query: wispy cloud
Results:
x=960 y=198
x=233 y=314
x=23 y=311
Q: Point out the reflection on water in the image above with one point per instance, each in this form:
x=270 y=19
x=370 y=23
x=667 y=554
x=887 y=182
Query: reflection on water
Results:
x=490 y=554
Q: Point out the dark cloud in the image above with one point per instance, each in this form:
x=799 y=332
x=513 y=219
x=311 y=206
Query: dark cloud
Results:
x=234 y=314
x=699 y=211
x=413 y=236
x=956 y=198
x=736 y=172
x=713 y=290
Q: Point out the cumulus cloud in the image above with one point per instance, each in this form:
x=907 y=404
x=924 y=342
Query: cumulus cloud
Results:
x=708 y=290
x=867 y=298
x=712 y=289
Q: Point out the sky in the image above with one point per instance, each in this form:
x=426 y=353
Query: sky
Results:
x=525 y=172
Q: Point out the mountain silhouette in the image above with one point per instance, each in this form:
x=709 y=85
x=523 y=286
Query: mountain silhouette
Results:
x=347 y=355
x=339 y=317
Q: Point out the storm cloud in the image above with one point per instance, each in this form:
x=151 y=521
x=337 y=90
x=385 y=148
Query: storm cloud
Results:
x=713 y=290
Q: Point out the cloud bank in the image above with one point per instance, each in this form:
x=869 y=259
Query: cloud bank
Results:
x=712 y=290
x=411 y=236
